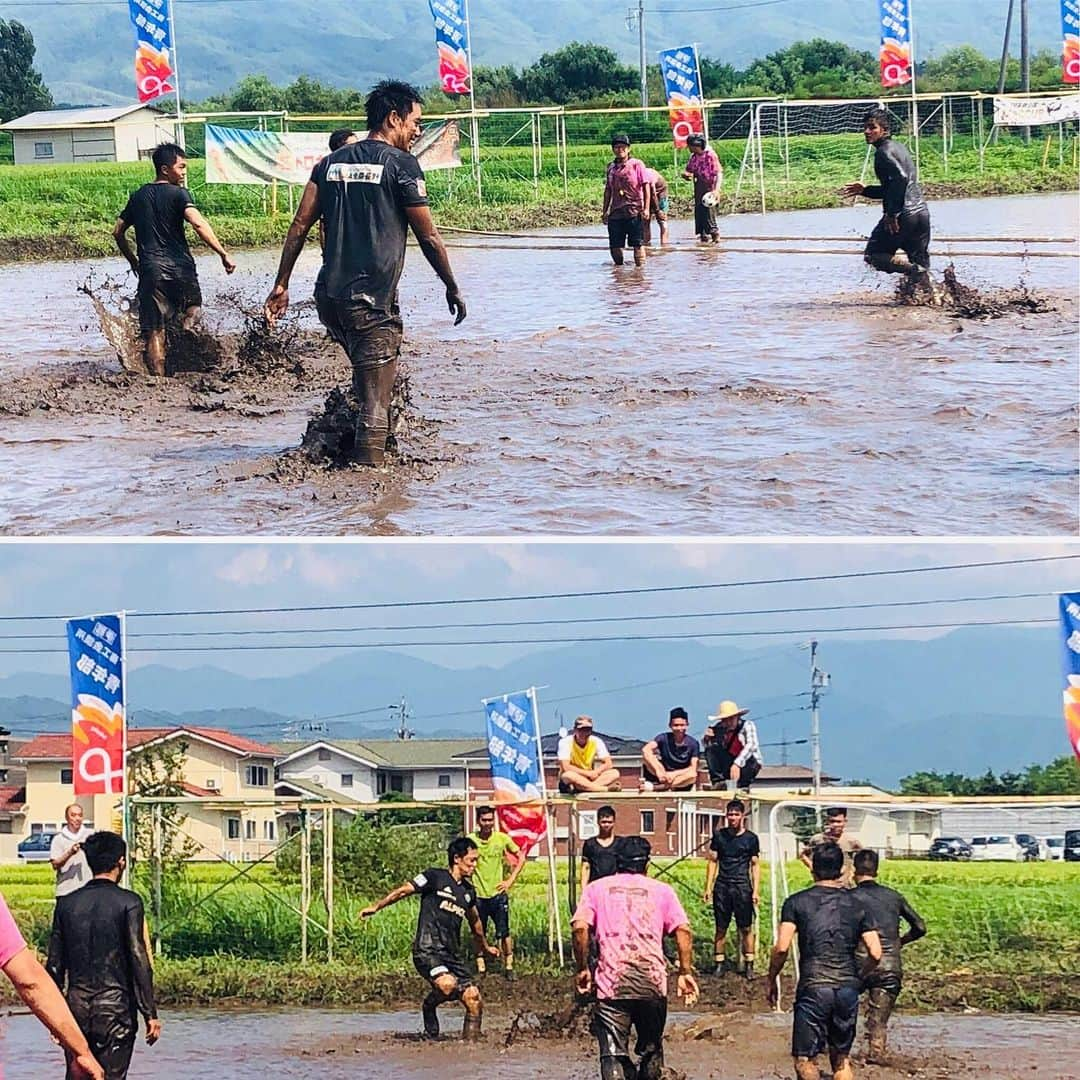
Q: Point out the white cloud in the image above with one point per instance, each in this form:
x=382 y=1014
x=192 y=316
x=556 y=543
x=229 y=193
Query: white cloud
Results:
x=256 y=566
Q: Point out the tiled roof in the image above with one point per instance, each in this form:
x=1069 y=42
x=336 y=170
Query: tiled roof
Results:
x=58 y=747
x=12 y=799
x=396 y=753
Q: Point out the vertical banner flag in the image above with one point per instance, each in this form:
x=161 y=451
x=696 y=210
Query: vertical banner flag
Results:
x=513 y=743
x=1070 y=31
x=896 y=58
x=1070 y=631
x=153 y=48
x=682 y=84
x=452 y=41
x=97 y=705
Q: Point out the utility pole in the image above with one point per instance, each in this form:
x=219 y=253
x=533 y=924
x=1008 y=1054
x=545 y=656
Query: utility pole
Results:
x=784 y=742
x=1005 y=48
x=403 y=714
x=638 y=16
x=1025 y=58
x=819 y=682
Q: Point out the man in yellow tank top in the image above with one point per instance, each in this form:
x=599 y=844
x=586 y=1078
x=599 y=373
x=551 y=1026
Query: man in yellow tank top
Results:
x=584 y=761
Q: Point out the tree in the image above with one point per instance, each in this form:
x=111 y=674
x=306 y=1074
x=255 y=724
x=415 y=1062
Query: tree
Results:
x=1060 y=777
x=576 y=72
x=21 y=87
x=256 y=93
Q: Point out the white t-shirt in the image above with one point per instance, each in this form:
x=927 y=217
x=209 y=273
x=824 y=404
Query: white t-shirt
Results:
x=76 y=871
x=567 y=740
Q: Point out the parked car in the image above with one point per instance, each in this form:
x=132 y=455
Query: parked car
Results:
x=35 y=848
x=949 y=847
x=1029 y=843
x=1052 y=848
x=1072 y=845
x=1000 y=848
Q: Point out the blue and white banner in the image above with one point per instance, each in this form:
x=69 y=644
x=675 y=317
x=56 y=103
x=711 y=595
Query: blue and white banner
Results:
x=513 y=744
x=452 y=42
x=682 y=85
x=155 y=71
x=1069 y=604
x=95 y=651
x=894 y=17
x=1070 y=45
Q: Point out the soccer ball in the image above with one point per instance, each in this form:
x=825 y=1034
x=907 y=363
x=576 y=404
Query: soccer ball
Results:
x=708 y=199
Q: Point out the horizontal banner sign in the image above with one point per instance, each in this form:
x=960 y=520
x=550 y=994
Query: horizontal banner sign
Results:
x=1028 y=112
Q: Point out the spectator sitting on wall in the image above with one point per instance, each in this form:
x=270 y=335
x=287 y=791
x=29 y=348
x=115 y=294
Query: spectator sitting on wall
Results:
x=584 y=761
x=670 y=761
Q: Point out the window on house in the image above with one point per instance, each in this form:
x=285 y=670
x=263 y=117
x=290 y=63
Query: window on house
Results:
x=444 y=779
x=51 y=826
x=669 y=821
x=257 y=776
x=249 y=829
x=268 y=830
x=324 y=755
x=647 y=824
x=43 y=149
x=65 y=776
x=397 y=783
x=36 y=827
x=232 y=828
x=346 y=779
x=6 y=825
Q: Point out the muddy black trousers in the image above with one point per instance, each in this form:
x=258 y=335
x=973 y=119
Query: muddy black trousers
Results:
x=612 y=1021
x=913 y=238
x=372 y=338
x=110 y=1027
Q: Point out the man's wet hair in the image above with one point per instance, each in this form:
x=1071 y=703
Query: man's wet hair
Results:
x=695 y=140
x=459 y=847
x=166 y=154
x=836 y=811
x=866 y=862
x=736 y=804
x=605 y=811
x=828 y=861
x=340 y=137
x=103 y=850
x=632 y=855
x=880 y=117
x=484 y=811
x=390 y=95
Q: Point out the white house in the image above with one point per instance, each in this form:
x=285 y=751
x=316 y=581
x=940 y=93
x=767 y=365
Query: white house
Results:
x=71 y=136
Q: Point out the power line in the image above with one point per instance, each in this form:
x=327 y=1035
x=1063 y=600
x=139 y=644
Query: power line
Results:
x=584 y=594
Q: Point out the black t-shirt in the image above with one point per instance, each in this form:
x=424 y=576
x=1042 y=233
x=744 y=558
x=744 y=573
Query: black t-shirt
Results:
x=157 y=213
x=364 y=189
x=675 y=757
x=733 y=854
x=886 y=908
x=443 y=904
x=830 y=922
x=601 y=859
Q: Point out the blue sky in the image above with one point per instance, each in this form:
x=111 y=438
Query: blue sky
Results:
x=74 y=579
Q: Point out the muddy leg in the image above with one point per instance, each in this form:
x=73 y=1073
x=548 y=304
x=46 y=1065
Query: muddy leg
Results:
x=806 y=1069
x=192 y=317
x=372 y=385
x=879 y=1006
x=431 y=1017
x=841 y=1066
x=154 y=353
x=617 y=255
x=474 y=1013
x=639 y=256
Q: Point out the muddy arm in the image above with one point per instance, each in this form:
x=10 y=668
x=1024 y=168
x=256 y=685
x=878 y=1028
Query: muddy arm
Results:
x=427 y=236
x=120 y=236
x=206 y=234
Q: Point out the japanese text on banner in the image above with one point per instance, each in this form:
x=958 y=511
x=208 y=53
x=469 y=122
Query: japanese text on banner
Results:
x=514 y=754
x=1069 y=604
x=97 y=705
x=154 y=68
x=896 y=58
x=1070 y=33
x=682 y=85
x=452 y=41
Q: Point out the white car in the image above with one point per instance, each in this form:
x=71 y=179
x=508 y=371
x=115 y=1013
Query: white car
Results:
x=1052 y=848
x=997 y=848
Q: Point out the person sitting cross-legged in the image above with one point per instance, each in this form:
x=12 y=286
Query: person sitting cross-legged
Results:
x=584 y=761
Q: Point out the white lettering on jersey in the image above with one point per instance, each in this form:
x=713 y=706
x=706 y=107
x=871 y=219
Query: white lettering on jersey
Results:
x=421 y=188
x=361 y=172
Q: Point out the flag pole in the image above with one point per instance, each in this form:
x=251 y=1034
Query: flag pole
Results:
x=914 y=95
x=124 y=807
x=176 y=74
x=549 y=820
x=474 y=123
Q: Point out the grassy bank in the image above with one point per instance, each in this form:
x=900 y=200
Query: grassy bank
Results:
x=67 y=211
x=1001 y=936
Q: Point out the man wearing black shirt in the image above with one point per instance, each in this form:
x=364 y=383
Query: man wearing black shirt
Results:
x=446 y=897
x=886 y=907
x=831 y=921
x=598 y=852
x=670 y=761
x=168 y=284
x=905 y=224
x=97 y=947
x=368 y=194
x=732 y=884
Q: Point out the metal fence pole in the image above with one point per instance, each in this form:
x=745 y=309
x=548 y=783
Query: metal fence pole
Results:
x=157 y=877
x=305 y=880
x=328 y=880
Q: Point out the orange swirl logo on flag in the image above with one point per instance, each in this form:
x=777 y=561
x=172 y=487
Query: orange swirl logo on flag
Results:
x=1072 y=713
x=895 y=62
x=97 y=730
x=454 y=75
x=686 y=118
x=1070 y=59
x=153 y=72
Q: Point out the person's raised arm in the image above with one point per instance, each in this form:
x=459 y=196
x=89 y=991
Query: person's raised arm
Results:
x=916 y=926
x=427 y=236
x=392 y=897
x=207 y=235
x=124 y=244
x=307 y=213
x=784 y=938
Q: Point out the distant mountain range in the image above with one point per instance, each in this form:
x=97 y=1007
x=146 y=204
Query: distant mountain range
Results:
x=356 y=42
x=974 y=699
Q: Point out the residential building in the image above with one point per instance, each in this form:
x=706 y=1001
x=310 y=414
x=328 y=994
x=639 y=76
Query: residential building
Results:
x=73 y=136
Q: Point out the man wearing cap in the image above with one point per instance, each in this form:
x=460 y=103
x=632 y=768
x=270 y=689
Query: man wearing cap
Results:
x=626 y=202
x=629 y=914
x=584 y=761
x=670 y=761
x=732 y=751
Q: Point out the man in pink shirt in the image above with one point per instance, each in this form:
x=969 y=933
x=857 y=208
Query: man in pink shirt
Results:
x=626 y=202
x=628 y=914
x=705 y=170
x=42 y=996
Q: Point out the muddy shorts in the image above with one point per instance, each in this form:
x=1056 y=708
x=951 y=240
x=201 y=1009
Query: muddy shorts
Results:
x=662 y=208
x=370 y=336
x=733 y=899
x=497 y=909
x=611 y=1023
x=432 y=965
x=825 y=1019
x=625 y=232
x=163 y=299
x=913 y=238
x=111 y=1036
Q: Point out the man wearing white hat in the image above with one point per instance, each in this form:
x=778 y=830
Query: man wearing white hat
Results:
x=732 y=751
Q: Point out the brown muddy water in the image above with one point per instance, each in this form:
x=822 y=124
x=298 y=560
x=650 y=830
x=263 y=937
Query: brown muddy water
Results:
x=334 y=1045
x=710 y=393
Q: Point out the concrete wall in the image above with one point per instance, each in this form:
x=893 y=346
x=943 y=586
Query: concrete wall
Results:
x=426 y=783
x=23 y=147
x=328 y=773
x=136 y=136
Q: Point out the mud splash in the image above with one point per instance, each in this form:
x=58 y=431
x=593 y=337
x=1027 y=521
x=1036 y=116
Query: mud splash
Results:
x=966 y=302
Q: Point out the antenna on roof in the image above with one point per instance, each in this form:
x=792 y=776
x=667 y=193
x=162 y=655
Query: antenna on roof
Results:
x=403 y=716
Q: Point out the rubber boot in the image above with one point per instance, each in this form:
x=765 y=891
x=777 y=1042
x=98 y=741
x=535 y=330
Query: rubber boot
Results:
x=470 y=1028
x=748 y=969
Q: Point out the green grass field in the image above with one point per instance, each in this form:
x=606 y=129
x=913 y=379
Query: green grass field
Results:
x=69 y=210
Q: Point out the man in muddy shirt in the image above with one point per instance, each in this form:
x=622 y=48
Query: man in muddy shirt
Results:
x=882 y=987
x=831 y=922
x=835 y=824
x=626 y=202
x=446 y=897
x=368 y=194
x=629 y=914
x=168 y=283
